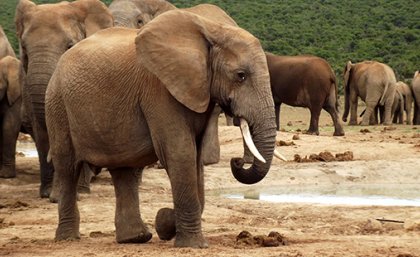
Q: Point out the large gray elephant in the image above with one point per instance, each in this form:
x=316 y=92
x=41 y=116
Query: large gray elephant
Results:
x=404 y=103
x=374 y=83
x=5 y=47
x=142 y=12
x=45 y=32
x=415 y=86
x=11 y=79
x=148 y=101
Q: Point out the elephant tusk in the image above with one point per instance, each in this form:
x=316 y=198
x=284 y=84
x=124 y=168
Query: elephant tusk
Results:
x=279 y=155
x=248 y=140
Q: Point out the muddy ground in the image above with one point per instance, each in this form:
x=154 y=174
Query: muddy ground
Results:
x=383 y=157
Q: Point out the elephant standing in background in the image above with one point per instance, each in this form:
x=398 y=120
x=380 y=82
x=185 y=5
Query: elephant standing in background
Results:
x=155 y=105
x=136 y=13
x=11 y=79
x=403 y=104
x=45 y=33
x=304 y=81
x=415 y=86
x=5 y=47
x=374 y=83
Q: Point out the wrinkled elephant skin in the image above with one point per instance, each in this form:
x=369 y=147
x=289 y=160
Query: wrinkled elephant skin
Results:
x=155 y=104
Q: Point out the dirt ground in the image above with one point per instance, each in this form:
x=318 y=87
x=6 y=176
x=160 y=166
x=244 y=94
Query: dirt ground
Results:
x=387 y=158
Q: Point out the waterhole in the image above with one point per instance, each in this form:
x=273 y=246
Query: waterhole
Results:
x=376 y=195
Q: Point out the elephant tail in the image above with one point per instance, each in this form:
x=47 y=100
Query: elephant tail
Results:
x=382 y=101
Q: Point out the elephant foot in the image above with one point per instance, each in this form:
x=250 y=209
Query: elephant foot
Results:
x=312 y=132
x=352 y=123
x=339 y=133
x=165 y=224
x=7 y=172
x=131 y=237
x=63 y=233
x=195 y=240
x=45 y=190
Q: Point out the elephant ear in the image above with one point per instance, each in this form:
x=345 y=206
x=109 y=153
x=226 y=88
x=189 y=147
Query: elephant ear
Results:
x=416 y=73
x=14 y=90
x=175 y=48
x=94 y=15
x=22 y=8
x=11 y=79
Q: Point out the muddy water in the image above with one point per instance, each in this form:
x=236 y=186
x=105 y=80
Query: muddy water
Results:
x=369 y=194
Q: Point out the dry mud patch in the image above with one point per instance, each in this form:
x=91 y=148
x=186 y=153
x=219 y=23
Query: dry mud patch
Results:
x=388 y=158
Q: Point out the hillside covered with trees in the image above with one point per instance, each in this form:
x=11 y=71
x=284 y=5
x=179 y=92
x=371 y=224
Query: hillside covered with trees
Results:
x=384 y=30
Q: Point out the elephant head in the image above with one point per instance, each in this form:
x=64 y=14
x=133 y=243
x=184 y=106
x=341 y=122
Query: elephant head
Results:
x=136 y=13
x=46 y=31
x=346 y=80
x=10 y=79
x=208 y=62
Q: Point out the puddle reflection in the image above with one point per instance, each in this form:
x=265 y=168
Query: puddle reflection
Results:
x=378 y=195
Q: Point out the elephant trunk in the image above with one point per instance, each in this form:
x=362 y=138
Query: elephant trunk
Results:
x=346 y=102
x=264 y=136
x=40 y=70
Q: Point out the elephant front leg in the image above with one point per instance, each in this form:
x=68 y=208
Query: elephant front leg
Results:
x=8 y=136
x=47 y=169
x=210 y=147
x=277 y=112
x=130 y=228
x=188 y=196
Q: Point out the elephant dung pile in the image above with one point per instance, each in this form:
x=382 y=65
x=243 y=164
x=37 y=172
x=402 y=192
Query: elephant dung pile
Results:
x=325 y=157
x=272 y=240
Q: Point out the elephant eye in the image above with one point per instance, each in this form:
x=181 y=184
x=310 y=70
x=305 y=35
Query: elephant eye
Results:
x=241 y=76
x=70 y=45
x=140 y=22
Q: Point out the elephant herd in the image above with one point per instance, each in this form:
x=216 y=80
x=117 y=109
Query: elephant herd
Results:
x=124 y=86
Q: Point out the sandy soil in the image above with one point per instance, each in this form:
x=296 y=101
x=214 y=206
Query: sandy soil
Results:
x=384 y=157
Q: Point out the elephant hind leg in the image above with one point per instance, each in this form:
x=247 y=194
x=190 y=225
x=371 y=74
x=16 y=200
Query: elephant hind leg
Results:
x=67 y=173
x=313 y=127
x=130 y=228
x=338 y=127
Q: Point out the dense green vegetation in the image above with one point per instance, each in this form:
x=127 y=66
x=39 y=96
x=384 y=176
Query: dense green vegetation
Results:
x=384 y=30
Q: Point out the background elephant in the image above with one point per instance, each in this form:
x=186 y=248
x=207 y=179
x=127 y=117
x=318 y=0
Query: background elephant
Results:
x=11 y=79
x=136 y=13
x=374 y=83
x=304 y=81
x=415 y=86
x=405 y=96
x=155 y=104
x=5 y=47
x=45 y=32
